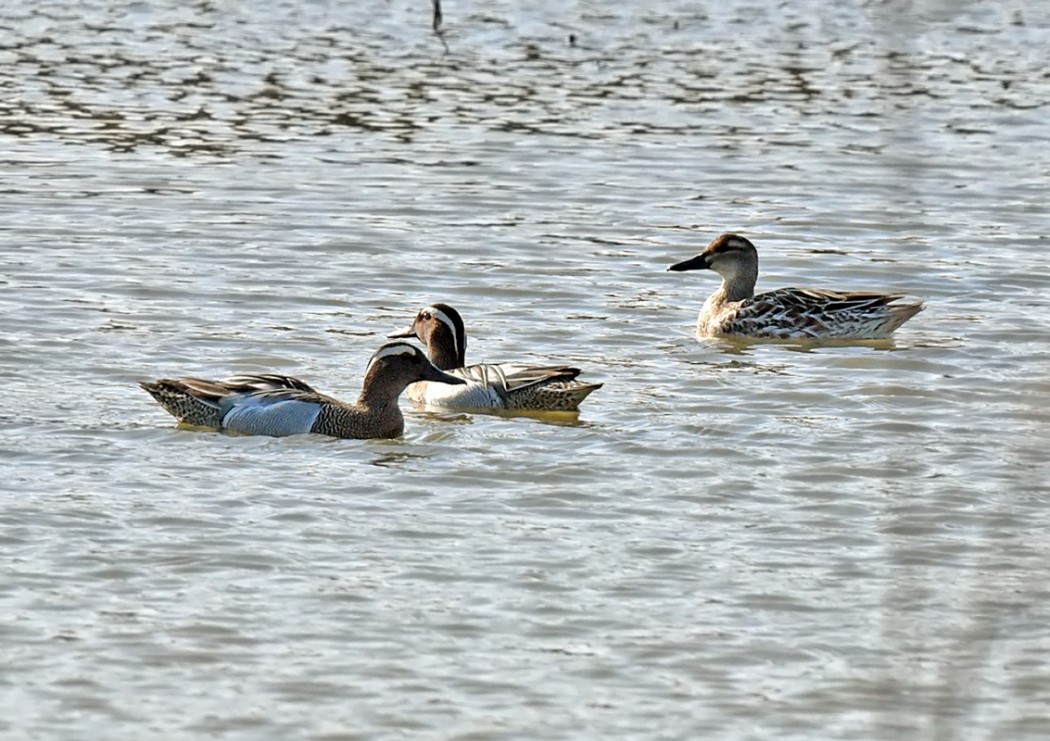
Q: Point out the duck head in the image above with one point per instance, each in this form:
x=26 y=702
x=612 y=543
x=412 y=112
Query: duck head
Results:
x=441 y=328
x=397 y=364
x=731 y=256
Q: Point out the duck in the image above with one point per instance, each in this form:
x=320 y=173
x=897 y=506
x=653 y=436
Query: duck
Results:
x=787 y=313
x=277 y=406
x=509 y=386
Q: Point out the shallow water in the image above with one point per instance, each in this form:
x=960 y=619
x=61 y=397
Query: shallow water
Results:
x=732 y=540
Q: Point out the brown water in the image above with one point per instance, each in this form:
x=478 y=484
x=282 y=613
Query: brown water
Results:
x=732 y=541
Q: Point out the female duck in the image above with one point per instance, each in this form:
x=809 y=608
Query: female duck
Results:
x=786 y=313
x=489 y=386
x=280 y=405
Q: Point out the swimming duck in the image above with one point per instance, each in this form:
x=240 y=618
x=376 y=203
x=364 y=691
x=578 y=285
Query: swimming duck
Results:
x=489 y=385
x=787 y=313
x=280 y=405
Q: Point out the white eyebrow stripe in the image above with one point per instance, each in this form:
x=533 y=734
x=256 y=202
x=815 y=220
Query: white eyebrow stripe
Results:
x=447 y=321
x=397 y=348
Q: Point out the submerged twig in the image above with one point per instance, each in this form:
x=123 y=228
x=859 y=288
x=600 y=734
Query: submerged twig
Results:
x=438 y=18
x=437 y=15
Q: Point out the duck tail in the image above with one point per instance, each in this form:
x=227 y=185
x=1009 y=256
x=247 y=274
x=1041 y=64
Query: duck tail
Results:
x=565 y=395
x=190 y=400
x=898 y=314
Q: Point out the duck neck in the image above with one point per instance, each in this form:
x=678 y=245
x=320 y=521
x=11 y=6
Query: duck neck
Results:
x=444 y=351
x=739 y=285
x=381 y=410
x=378 y=393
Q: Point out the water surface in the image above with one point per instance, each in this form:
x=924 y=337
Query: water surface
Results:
x=731 y=541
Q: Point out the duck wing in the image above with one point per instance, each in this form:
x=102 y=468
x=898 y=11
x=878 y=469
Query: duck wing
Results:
x=264 y=404
x=509 y=377
x=240 y=404
x=818 y=313
x=264 y=382
x=272 y=405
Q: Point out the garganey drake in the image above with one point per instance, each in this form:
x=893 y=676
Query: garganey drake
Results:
x=787 y=313
x=280 y=405
x=489 y=386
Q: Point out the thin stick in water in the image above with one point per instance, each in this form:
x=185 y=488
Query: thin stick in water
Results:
x=437 y=15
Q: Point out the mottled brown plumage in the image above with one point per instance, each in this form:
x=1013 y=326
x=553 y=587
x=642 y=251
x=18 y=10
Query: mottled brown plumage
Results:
x=787 y=313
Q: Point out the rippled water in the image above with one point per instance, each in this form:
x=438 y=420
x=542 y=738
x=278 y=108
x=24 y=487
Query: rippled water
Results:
x=734 y=541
